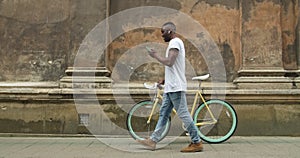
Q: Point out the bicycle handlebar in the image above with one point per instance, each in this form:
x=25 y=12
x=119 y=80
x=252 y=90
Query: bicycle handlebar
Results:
x=153 y=86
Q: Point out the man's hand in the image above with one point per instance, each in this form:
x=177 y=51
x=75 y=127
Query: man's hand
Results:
x=161 y=81
x=152 y=53
x=169 y=61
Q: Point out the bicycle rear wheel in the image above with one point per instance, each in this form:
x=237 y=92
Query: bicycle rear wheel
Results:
x=226 y=123
x=137 y=120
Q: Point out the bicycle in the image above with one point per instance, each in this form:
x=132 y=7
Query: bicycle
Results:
x=216 y=119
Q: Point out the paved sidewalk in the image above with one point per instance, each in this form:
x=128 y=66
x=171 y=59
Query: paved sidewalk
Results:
x=66 y=147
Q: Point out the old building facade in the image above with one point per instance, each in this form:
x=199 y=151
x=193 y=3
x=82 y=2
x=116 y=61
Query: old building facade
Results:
x=41 y=42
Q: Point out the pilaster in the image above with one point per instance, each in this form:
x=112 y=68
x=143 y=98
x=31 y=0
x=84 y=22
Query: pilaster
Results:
x=264 y=48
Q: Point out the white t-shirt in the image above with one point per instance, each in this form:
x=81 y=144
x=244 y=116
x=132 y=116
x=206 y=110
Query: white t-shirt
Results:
x=175 y=75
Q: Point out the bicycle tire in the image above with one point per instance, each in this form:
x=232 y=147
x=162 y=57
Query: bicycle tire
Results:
x=137 y=120
x=226 y=121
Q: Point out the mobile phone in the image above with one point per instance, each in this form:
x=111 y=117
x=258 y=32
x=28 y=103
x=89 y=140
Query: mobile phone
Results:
x=148 y=49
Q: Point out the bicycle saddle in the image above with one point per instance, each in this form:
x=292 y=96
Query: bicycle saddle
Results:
x=202 y=77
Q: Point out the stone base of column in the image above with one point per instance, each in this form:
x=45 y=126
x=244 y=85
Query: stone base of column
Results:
x=268 y=79
x=86 y=77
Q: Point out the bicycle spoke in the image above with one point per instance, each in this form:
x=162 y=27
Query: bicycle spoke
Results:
x=219 y=130
x=138 y=117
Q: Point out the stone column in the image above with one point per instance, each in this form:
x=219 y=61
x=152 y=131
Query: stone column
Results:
x=298 y=38
x=289 y=13
x=264 y=46
x=289 y=25
x=85 y=70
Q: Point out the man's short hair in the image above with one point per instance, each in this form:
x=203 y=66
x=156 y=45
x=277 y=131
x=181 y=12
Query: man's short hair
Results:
x=170 y=26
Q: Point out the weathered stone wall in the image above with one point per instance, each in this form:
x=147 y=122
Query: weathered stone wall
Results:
x=261 y=36
x=220 y=19
x=250 y=34
x=40 y=39
x=38 y=117
x=37 y=109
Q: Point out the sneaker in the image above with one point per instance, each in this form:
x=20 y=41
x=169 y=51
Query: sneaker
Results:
x=148 y=143
x=193 y=147
x=187 y=133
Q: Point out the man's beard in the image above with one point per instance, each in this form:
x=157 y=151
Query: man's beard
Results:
x=167 y=39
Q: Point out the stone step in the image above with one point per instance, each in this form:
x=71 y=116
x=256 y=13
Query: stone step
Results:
x=87 y=71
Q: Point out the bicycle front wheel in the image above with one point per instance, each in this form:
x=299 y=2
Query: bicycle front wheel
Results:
x=219 y=130
x=138 y=116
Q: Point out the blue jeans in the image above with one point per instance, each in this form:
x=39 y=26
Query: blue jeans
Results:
x=175 y=100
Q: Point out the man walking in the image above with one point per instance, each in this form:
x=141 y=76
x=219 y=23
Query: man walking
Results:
x=174 y=92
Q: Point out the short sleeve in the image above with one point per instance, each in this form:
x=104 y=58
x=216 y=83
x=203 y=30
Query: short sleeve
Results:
x=174 y=44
